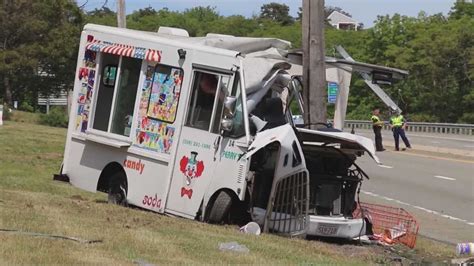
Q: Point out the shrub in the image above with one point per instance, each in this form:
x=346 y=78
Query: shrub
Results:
x=57 y=117
x=25 y=106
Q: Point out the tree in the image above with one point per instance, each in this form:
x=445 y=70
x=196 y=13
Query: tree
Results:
x=276 y=12
x=461 y=9
x=39 y=41
x=102 y=16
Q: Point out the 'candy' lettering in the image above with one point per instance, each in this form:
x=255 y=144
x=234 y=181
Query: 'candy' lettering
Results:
x=134 y=165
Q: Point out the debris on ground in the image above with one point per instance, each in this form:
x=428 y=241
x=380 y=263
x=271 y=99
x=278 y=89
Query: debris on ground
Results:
x=233 y=246
x=251 y=228
x=389 y=225
x=465 y=249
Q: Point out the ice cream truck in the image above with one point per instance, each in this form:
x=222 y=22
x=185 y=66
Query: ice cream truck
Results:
x=201 y=128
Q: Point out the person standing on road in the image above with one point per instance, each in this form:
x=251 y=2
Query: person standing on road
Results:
x=398 y=124
x=377 y=125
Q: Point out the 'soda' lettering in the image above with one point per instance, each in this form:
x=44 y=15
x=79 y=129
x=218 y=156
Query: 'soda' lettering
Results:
x=152 y=201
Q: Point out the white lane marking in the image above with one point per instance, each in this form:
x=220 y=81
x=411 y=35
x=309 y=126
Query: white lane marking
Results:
x=436 y=142
x=385 y=166
x=469 y=146
x=419 y=208
x=445 y=177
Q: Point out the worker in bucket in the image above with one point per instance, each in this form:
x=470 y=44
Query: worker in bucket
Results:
x=377 y=125
x=398 y=124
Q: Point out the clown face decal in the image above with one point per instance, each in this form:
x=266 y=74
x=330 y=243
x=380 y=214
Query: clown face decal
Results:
x=191 y=168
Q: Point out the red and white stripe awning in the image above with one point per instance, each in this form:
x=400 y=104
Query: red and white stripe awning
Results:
x=124 y=50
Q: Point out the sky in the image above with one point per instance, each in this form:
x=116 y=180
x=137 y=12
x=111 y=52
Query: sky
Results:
x=364 y=11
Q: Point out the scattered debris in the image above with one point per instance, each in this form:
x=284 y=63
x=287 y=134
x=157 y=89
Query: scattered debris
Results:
x=233 y=246
x=19 y=232
x=389 y=225
x=465 y=249
x=251 y=228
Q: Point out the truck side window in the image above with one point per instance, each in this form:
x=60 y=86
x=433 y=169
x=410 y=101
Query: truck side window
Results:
x=165 y=92
x=204 y=95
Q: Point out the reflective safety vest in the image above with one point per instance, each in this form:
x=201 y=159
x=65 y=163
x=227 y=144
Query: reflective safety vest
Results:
x=397 y=121
x=376 y=121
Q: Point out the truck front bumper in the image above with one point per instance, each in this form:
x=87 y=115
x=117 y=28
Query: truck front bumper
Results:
x=340 y=227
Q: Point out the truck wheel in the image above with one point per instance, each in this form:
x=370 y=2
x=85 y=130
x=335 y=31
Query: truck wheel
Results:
x=117 y=193
x=220 y=208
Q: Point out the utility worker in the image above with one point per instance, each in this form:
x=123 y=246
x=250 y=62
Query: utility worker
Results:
x=377 y=125
x=398 y=124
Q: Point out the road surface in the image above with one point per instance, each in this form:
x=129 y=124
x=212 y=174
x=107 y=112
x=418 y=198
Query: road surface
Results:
x=438 y=191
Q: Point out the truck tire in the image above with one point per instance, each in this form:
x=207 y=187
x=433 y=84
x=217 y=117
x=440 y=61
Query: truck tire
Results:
x=117 y=192
x=220 y=208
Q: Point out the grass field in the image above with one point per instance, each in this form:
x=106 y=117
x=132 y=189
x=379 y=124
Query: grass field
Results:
x=30 y=201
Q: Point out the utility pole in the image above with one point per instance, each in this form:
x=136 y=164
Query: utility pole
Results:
x=121 y=19
x=314 y=69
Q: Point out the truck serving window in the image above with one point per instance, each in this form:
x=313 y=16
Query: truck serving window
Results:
x=165 y=91
x=118 y=95
x=125 y=96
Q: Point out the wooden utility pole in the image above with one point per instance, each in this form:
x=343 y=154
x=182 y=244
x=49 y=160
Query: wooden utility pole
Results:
x=314 y=69
x=121 y=19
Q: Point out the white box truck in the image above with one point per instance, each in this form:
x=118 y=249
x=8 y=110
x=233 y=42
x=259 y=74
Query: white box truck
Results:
x=201 y=128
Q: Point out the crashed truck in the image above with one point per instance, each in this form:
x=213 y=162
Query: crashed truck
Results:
x=201 y=128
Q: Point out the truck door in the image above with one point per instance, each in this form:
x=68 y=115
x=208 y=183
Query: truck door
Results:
x=199 y=142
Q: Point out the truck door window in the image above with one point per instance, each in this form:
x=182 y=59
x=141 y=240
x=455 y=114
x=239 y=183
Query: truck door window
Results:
x=125 y=96
x=204 y=97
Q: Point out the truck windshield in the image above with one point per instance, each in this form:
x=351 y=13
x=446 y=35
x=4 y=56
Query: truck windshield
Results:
x=238 y=129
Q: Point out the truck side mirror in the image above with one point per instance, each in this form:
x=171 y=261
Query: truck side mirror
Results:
x=229 y=106
x=229 y=112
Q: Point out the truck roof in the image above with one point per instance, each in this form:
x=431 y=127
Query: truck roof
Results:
x=215 y=43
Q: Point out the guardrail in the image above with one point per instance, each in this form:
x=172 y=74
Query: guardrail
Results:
x=440 y=128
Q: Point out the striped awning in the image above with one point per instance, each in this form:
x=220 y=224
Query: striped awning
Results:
x=124 y=50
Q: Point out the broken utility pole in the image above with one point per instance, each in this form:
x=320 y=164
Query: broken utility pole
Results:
x=121 y=18
x=314 y=69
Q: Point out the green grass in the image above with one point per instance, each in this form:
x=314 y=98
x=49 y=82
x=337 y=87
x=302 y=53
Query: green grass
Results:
x=31 y=201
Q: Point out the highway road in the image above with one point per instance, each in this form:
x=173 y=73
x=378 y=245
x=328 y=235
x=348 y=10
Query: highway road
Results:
x=437 y=190
x=461 y=143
